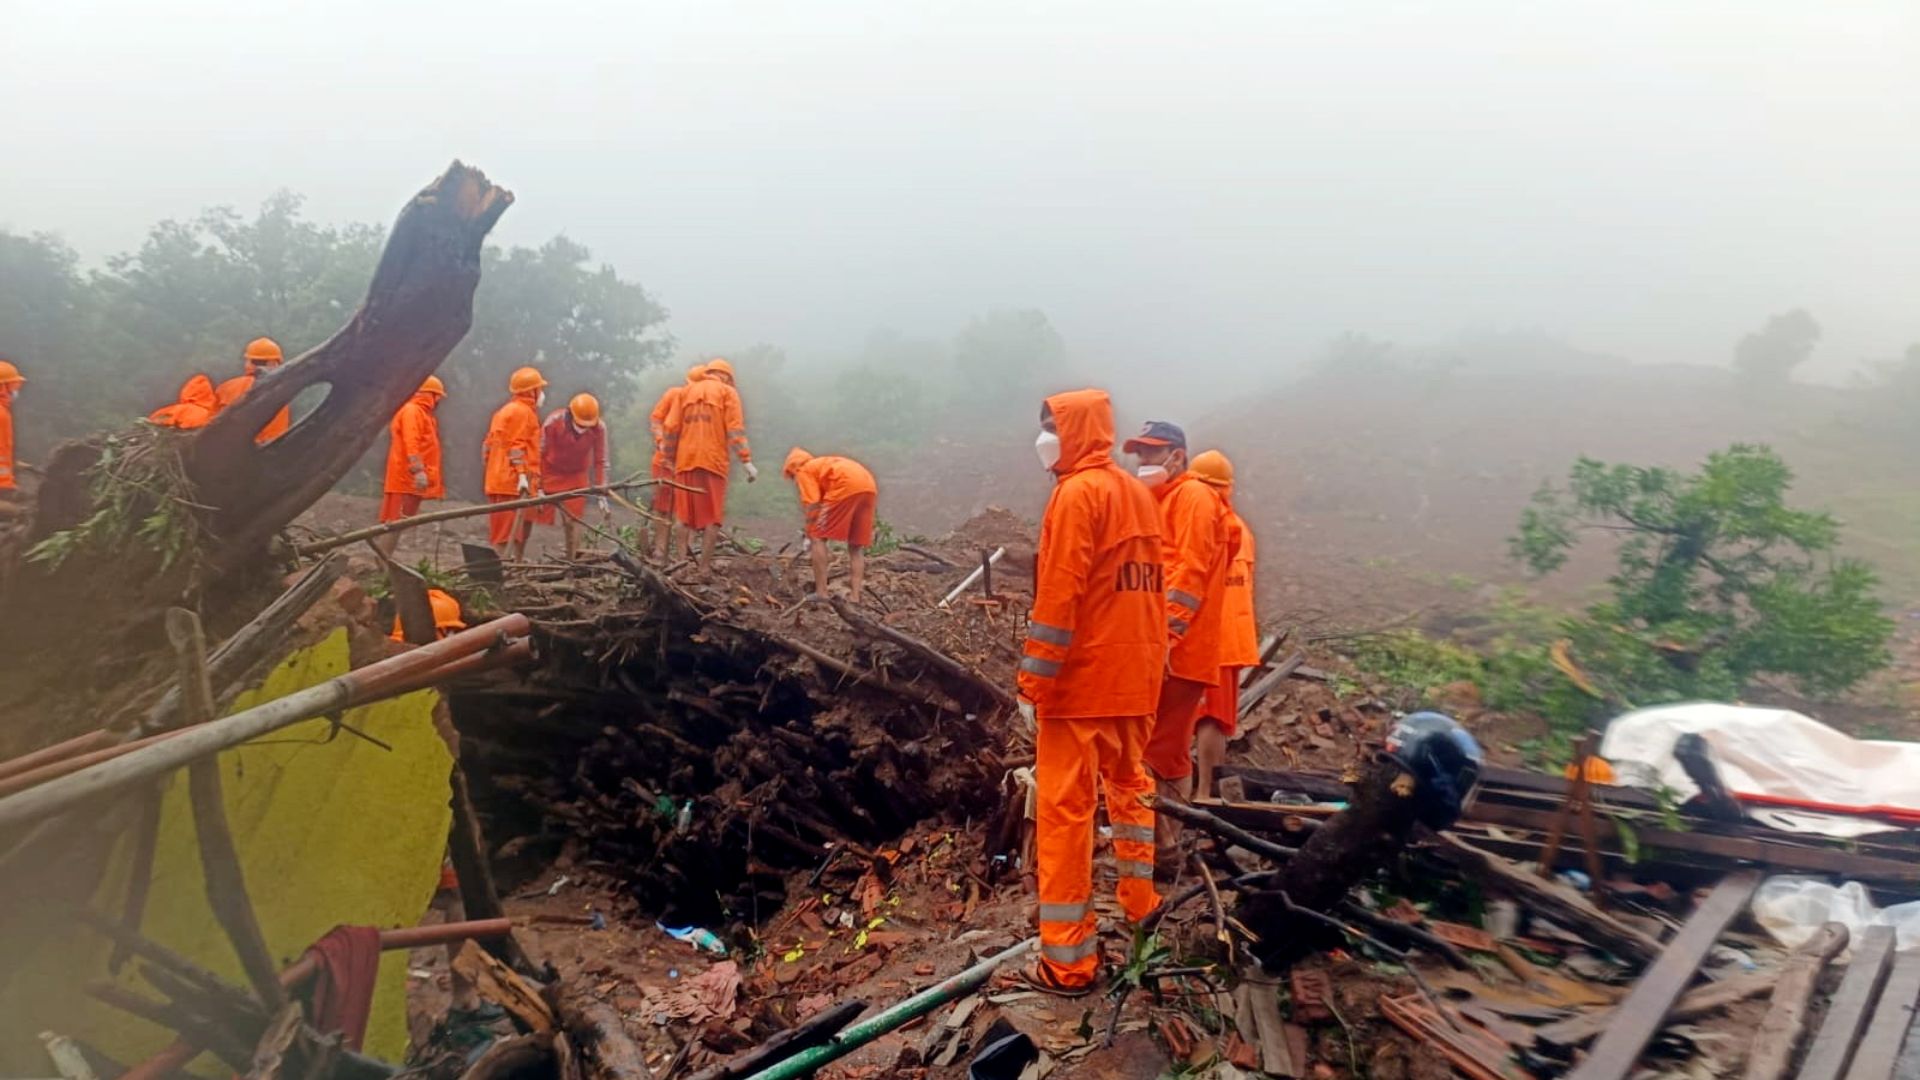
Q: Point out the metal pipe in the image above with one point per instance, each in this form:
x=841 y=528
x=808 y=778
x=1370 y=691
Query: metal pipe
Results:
x=865 y=1031
x=343 y=691
x=973 y=577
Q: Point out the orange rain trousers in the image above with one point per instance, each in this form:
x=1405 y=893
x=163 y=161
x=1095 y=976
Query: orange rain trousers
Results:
x=1221 y=703
x=395 y=506
x=662 y=493
x=1072 y=758
x=500 y=523
x=1170 y=748
x=706 y=504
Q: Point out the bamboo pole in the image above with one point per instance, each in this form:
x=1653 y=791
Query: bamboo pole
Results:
x=369 y=683
x=455 y=513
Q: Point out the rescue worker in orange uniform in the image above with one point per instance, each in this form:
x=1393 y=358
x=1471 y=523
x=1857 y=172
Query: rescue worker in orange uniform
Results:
x=10 y=382
x=1094 y=659
x=1240 y=637
x=446 y=616
x=413 y=461
x=662 y=466
x=839 y=496
x=1193 y=520
x=573 y=454
x=512 y=460
x=194 y=409
x=262 y=354
x=702 y=428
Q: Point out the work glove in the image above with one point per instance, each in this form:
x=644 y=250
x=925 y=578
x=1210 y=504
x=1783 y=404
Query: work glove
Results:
x=419 y=480
x=605 y=506
x=524 y=485
x=1028 y=722
x=752 y=473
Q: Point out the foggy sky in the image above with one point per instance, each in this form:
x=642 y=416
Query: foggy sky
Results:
x=1186 y=189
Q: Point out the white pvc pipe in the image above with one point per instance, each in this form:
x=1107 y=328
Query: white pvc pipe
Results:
x=973 y=577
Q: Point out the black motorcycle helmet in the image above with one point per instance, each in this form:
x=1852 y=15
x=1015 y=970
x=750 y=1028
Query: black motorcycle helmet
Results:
x=1445 y=762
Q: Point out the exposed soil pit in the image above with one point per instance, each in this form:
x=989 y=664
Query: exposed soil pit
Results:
x=699 y=745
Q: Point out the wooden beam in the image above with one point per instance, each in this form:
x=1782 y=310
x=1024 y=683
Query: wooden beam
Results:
x=1850 y=1007
x=1618 y=1049
x=1551 y=898
x=1787 y=1016
x=1700 y=1001
x=1879 y=1050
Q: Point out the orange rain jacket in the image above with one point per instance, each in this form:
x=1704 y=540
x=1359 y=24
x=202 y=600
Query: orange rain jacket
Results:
x=1197 y=551
x=1240 y=646
x=703 y=423
x=6 y=438
x=413 y=456
x=657 y=420
x=1097 y=634
x=824 y=481
x=513 y=446
x=195 y=408
x=236 y=388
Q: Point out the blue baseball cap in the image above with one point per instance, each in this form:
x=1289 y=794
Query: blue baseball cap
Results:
x=1157 y=433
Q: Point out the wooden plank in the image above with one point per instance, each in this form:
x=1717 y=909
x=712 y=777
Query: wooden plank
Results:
x=1700 y=1001
x=1787 y=1015
x=1618 y=1048
x=1879 y=1051
x=1847 y=1012
x=1258 y=1004
x=1550 y=898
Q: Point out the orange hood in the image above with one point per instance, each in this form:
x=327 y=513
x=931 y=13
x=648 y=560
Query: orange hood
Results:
x=199 y=391
x=426 y=400
x=1084 y=421
x=795 y=458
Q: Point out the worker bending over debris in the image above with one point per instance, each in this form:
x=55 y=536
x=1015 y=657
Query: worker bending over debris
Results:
x=193 y=409
x=838 y=495
x=573 y=454
x=1195 y=549
x=513 y=461
x=701 y=429
x=1095 y=653
x=662 y=465
x=1240 y=636
x=263 y=354
x=413 y=461
x=446 y=616
x=10 y=382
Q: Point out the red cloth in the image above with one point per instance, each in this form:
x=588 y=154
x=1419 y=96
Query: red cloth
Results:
x=566 y=450
x=706 y=504
x=397 y=507
x=342 y=994
x=555 y=483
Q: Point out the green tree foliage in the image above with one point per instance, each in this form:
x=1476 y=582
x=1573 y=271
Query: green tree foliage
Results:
x=104 y=347
x=1718 y=580
x=1770 y=354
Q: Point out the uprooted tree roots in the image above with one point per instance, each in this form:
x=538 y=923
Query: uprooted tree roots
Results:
x=702 y=760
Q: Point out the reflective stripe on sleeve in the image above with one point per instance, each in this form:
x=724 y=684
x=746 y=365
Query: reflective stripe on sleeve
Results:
x=1046 y=669
x=1050 y=635
x=1184 y=598
x=1067 y=913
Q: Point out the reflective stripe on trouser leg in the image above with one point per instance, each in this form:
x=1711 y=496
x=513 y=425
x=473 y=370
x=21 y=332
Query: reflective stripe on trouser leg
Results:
x=1065 y=765
x=1127 y=784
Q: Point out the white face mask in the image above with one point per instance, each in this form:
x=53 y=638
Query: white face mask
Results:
x=1047 y=446
x=1152 y=475
x=539 y=399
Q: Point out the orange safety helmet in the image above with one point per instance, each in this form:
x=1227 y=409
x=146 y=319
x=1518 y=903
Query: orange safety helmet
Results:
x=526 y=380
x=585 y=409
x=264 y=350
x=1599 y=771
x=1213 y=467
x=433 y=385
x=10 y=375
x=446 y=611
x=795 y=458
x=719 y=366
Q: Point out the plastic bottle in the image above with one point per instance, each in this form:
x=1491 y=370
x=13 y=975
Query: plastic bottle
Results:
x=685 y=821
x=697 y=936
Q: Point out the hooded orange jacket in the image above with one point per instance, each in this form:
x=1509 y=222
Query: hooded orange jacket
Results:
x=1241 y=645
x=6 y=439
x=827 y=480
x=414 y=453
x=513 y=446
x=1197 y=550
x=236 y=388
x=1097 y=634
x=195 y=408
x=702 y=423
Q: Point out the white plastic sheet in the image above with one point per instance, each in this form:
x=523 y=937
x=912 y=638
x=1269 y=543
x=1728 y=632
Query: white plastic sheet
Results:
x=1769 y=752
x=1791 y=908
